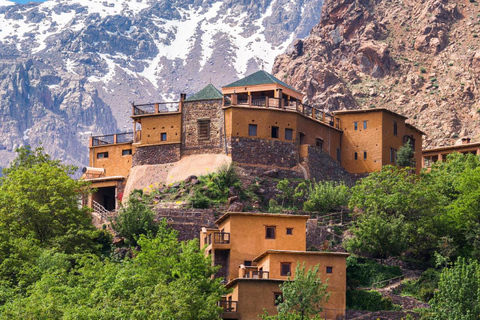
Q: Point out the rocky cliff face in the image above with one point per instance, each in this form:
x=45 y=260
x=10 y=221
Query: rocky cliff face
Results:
x=70 y=68
x=417 y=58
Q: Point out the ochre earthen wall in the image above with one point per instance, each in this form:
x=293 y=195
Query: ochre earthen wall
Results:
x=154 y=125
x=116 y=164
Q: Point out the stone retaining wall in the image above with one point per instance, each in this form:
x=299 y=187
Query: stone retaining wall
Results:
x=322 y=167
x=263 y=152
x=158 y=154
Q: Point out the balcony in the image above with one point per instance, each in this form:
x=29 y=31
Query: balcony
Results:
x=256 y=274
x=111 y=139
x=155 y=108
x=281 y=104
x=229 y=309
x=218 y=238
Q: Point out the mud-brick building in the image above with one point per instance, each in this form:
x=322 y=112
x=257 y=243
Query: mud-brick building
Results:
x=430 y=156
x=256 y=121
x=258 y=252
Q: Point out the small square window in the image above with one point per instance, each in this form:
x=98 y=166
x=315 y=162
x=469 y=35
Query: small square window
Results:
x=355 y=124
x=163 y=136
x=289 y=231
x=395 y=129
x=269 y=232
x=277 y=298
x=288 y=134
x=247 y=263
x=126 y=152
x=285 y=268
x=364 y=124
x=319 y=143
x=329 y=269
x=275 y=131
x=355 y=156
x=364 y=155
x=102 y=155
x=252 y=130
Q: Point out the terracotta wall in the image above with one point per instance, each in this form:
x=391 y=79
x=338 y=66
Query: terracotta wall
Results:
x=314 y=130
x=116 y=164
x=360 y=140
x=154 y=125
x=247 y=237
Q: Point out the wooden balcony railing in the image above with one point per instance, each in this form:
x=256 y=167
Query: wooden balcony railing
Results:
x=218 y=238
x=283 y=104
x=155 y=108
x=256 y=274
x=124 y=137
x=228 y=305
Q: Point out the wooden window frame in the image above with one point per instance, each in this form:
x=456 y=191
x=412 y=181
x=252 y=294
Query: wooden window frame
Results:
x=163 y=136
x=290 y=136
x=275 y=130
x=127 y=152
x=289 y=273
x=274 y=232
x=289 y=230
x=203 y=129
x=327 y=269
x=102 y=155
x=253 y=127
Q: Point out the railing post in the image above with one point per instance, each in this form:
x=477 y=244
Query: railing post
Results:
x=313 y=113
x=249 y=100
x=267 y=102
x=324 y=117
x=133 y=109
x=234 y=99
x=156 y=108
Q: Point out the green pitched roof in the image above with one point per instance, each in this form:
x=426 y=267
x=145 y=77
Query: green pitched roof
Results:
x=259 y=77
x=207 y=93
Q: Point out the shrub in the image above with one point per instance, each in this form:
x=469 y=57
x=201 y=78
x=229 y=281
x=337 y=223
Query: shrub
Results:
x=326 y=196
x=423 y=70
x=364 y=272
x=369 y=300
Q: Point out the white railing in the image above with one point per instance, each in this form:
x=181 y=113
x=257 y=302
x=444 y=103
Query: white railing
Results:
x=99 y=209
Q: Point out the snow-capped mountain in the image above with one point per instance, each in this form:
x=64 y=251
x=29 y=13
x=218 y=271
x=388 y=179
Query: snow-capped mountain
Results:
x=70 y=68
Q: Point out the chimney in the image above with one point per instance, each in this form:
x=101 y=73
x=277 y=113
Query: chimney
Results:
x=466 y=140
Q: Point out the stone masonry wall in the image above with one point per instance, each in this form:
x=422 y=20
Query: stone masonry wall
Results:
x=322 y=167
x=188 y=222
x=202 y=110
x=158 y=154
x=263 y=152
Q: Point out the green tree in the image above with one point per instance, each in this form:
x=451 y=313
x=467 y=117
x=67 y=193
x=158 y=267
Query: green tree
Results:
x=458 y=294
x=167 y=279
x=135 y=218
x=41 y=201
x=406 y=156
x=302 y=297
x=326 y=196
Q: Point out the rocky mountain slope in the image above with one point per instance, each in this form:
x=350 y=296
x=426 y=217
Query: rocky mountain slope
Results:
x=70 y=68
x=418 y=58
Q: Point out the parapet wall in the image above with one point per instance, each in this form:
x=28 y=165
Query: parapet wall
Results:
x=159 y=154
x=263 y=152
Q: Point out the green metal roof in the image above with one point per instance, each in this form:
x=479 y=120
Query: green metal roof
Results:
x=207 y=93
x=259 y=77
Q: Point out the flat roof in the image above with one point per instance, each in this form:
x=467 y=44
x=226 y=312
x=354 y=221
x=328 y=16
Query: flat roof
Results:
x=255 y=214
x=105 y=179
x=369 y=110
x=318 y=253
x=455 y=147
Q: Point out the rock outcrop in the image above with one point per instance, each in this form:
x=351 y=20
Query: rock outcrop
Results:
x=418 y=58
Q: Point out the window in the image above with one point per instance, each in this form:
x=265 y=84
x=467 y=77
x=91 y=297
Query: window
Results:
x=102 y=155
x=285 y=268
x=277 y=298
x=329 y=269
x=126 y=152
x=288 y=134
x=355 y=124
x=364 y=155
x=355 y=156
x=393 y=155
x=269 y=232
x=289 y=231
x=252 y=130
x=365 y=124
x=395 y=129
x=319 y=143
x=247 y=263
x=163 y=136
x=203 y=129
x=275 y=131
